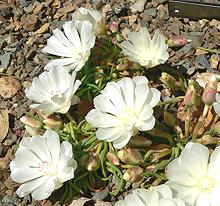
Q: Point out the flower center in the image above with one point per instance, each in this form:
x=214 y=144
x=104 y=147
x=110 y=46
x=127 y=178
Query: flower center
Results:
x=207 y=184
x=128 y=117
x=48 y=168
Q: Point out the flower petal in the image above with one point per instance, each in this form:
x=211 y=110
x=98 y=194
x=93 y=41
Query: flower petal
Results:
x=30 y=186
x=44 y=191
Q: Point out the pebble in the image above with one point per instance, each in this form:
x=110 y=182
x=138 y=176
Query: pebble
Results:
x=151 y=12
x=138 y=6
x=5 y=60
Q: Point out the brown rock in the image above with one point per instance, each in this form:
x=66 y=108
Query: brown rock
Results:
x=9 y=86
x=4 y=124
x=29 y=22
x=214 y=60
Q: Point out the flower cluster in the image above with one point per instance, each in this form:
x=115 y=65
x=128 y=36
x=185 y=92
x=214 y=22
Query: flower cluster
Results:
x=98 y=121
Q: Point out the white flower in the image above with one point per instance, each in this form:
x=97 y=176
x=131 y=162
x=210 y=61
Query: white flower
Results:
x=54 y=90
x=42 y=164
x=123 y=108
x=141 y=49
x=195 y=176
x=73 y=45
x=159 y=196
x=97 y=19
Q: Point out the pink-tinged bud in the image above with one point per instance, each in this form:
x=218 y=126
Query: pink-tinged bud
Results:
x=112 y=157
x=139 y=142
x=169 y=81
x=191 y=98
x=177 y=41
x=133 y=174
x=210 y=91
x=130 y=156
x=53 y=122
x=31 y=122
x=93 y=164
x=113 y=26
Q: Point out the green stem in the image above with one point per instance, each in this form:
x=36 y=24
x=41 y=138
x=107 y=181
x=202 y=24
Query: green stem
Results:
x=209 y=50
x=174 y=100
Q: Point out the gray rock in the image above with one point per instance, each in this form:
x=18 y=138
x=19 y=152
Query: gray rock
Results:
x=151 y=12
x=5 y=60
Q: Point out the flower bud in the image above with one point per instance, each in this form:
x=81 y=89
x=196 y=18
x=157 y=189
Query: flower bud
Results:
x=84 y=159
x=139 y=142
x=210 y=91
x=177 y=41
x=31 y=122
x=112 y=157
x=130 y=156
x=93 y=164
x=53 y=122
x=170 y=118
x=168 y=80
x=160 y=154
x=208 y=140
x=123 y=65
x=113 y=26
x=191 y=97
x=133 y=174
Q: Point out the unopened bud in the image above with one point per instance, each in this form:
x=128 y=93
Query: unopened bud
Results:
x=177 y=41
x=53 y=122
x=208 y=140
x=133 y=174
x=112 y=157
x=31 y=122
x=93 y=164
x=139 y=142
x=170 y=118
x=168 y=80
x=160 y=154
x=113 y=26
x=123 y=65
x=191 y=97
x=210 y=91
x=130 y=156
x=84 y=159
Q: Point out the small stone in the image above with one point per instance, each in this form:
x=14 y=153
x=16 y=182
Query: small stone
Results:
x=5 y=60
x=214 y=61
x=151 y=12
x=29 y=22
x=202 y=62
x=4 y=122
x=38 y=8
x=23 y=3
x=138 y=6
x=9 y=86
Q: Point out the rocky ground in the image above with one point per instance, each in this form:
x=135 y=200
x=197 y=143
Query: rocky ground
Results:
x=25 y=26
